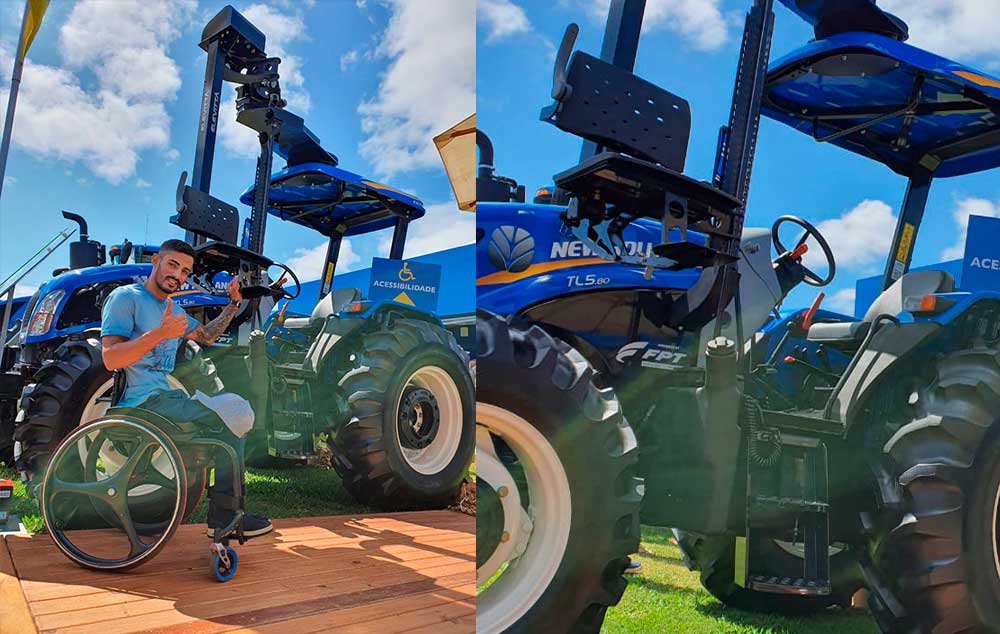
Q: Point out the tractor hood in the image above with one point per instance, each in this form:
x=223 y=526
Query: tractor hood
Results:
x=323 y=197
x=886 y=100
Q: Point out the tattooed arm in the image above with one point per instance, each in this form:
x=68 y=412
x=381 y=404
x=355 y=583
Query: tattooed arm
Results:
x=206 y=334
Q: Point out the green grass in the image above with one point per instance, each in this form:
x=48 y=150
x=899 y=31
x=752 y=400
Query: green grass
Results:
x=295 y=491
x=664 y=596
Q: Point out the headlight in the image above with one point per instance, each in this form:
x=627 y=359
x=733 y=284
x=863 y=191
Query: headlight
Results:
x=46 y=310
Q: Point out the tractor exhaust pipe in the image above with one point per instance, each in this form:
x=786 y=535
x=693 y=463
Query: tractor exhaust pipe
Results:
x=78 y=219
x=485 y=154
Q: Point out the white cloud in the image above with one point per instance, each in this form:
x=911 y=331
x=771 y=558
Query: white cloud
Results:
x=842 y=301
x=24 y=289
x=859 y=238
x=444 y=226
x=428 y=86
x=142 y=183
x=963 y=209
x=502 y=19
x=107 y=125
x=348 y=59
x=699 y=22
x=307 y=263
x=281 y=30
x=954 y=28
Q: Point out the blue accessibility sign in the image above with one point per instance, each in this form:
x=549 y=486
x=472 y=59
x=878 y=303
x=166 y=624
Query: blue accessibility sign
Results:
x=981 y=268
x=415 y=284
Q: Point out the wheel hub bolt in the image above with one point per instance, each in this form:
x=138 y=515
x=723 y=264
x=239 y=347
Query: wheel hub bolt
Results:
x=505 y=537
x=111 y=492
x=502 y=492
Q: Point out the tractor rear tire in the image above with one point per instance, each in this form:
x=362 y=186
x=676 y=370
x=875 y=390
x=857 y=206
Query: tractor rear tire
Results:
x=939 y=552
x=551 y=426
x=715 y=558
x=368 y=451
x=54 y=403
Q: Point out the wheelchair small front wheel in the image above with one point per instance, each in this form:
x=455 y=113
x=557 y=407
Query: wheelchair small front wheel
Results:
x=85 y=501
x=224 y=567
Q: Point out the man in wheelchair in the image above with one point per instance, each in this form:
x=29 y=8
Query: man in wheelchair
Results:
x=141 y=329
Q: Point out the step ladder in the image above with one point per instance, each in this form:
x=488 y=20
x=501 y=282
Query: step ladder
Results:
x=787 y=500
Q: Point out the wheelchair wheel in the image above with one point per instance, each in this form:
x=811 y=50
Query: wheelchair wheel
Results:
x=86 y=503
x=224 y=569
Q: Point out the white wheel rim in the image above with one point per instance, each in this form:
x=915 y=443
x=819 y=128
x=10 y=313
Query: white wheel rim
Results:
x=996 y=532
x=96 y=407
x=436 y=456
x=528 y=574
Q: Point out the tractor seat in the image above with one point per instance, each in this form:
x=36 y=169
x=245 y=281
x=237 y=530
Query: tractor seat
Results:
x=890 y=302
x=331 y=304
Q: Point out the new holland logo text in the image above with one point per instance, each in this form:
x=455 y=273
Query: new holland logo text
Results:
x=661 y=356
x=577 y=249
x=511 y=248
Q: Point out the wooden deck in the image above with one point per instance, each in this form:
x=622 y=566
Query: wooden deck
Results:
x=403 y=572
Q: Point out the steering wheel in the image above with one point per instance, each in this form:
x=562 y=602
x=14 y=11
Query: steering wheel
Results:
x=278 y=292
x=810 y=231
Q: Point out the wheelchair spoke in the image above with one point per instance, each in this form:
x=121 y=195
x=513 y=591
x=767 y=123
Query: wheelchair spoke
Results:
x=136 y=460
x=98 y=490
x=152 y=475
x=119 y=506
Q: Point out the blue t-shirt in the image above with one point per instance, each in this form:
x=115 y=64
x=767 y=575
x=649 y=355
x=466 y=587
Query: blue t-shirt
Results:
x=129 y=312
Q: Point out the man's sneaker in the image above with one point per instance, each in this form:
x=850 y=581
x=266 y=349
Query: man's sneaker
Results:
x=253 y=525
x=633 y=567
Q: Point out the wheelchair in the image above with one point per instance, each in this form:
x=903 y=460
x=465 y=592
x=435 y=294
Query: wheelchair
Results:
x=116 y=488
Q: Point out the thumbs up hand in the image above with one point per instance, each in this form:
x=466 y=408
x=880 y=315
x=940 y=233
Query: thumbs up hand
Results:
x=172 y=326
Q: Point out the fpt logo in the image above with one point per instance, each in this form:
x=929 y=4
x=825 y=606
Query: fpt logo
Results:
x=661 y=356
x=511 y=248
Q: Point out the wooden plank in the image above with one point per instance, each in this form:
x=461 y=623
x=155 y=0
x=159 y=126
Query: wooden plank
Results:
x=179 y=588
x=401 y=609
x=308 y=574
x=193 y=575
x=15 y=617
x=392 y=622
x=191 y=546
x=221 y=596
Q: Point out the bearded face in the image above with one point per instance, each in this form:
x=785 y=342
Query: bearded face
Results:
x=171 y=270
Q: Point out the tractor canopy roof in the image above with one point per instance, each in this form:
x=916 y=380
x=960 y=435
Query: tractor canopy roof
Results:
x=867 y=91
x=322 y=197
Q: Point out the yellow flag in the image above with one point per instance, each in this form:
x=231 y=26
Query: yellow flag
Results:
x=32 y=22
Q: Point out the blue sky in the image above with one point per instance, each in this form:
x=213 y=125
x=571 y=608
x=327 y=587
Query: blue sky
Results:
x=108 y=113
x=691 y=49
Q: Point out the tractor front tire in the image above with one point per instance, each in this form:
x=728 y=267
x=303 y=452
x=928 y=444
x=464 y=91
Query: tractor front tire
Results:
x=548 y=432
x=939 y=552
x=411 y=433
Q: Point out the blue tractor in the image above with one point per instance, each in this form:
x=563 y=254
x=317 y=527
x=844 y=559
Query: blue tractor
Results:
x=385 y=381
x=799 y=457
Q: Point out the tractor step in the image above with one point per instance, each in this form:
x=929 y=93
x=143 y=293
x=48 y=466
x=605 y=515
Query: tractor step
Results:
x=788 y=585
x=775 y=502
x=787 y=500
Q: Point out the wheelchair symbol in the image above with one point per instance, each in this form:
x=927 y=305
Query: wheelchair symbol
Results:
x=405 y=274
